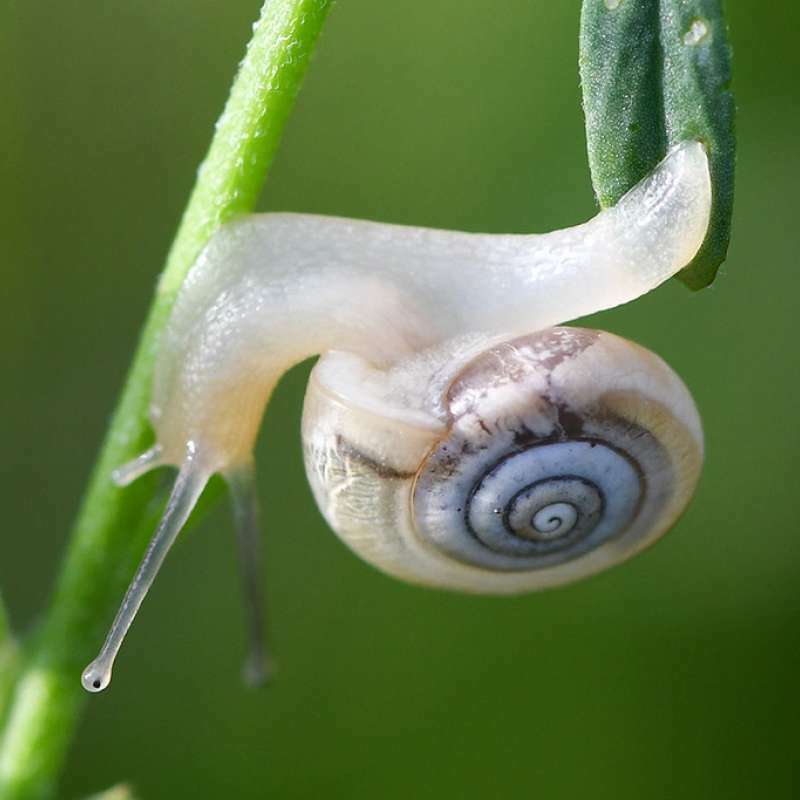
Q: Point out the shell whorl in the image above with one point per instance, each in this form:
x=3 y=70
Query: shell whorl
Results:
x=562 y=452
x=537 y=506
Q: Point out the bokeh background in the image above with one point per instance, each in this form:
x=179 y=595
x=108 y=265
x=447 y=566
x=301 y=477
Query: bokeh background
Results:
x=672 y=676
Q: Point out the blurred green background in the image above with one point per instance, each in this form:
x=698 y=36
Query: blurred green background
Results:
x=673 y=676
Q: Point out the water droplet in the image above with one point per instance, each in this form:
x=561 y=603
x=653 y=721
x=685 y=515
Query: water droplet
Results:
x=698 y=31
x=611 y=5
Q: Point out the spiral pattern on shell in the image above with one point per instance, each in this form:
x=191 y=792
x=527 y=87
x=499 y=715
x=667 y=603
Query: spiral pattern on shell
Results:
x=551 y=456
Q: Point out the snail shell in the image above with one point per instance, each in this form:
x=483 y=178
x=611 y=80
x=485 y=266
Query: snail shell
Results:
x=544 y=459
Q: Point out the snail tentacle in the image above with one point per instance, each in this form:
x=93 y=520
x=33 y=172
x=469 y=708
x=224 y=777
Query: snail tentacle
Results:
x=186 y=491
x=244 y=499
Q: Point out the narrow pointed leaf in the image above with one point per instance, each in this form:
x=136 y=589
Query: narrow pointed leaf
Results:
x=654 y=73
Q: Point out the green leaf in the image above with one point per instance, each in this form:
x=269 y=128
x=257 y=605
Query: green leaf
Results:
x=655 y=73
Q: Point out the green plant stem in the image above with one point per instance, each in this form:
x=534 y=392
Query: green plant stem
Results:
x=121 y=792
x=5 y=625
x=113 y=525
x=9 y=657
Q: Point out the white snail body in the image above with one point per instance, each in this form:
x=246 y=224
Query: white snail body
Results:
x=452 y=436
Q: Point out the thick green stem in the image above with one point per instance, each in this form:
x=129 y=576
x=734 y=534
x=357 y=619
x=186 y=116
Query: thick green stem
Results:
x=113 y=525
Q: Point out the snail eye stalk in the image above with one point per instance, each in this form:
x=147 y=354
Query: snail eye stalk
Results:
x=188 y=487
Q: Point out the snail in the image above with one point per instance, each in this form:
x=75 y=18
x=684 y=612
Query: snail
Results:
x=453 y=434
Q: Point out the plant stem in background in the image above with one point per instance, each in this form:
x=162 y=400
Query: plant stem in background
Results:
x=113 y=525
x=8 y=659
x=120 y=792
